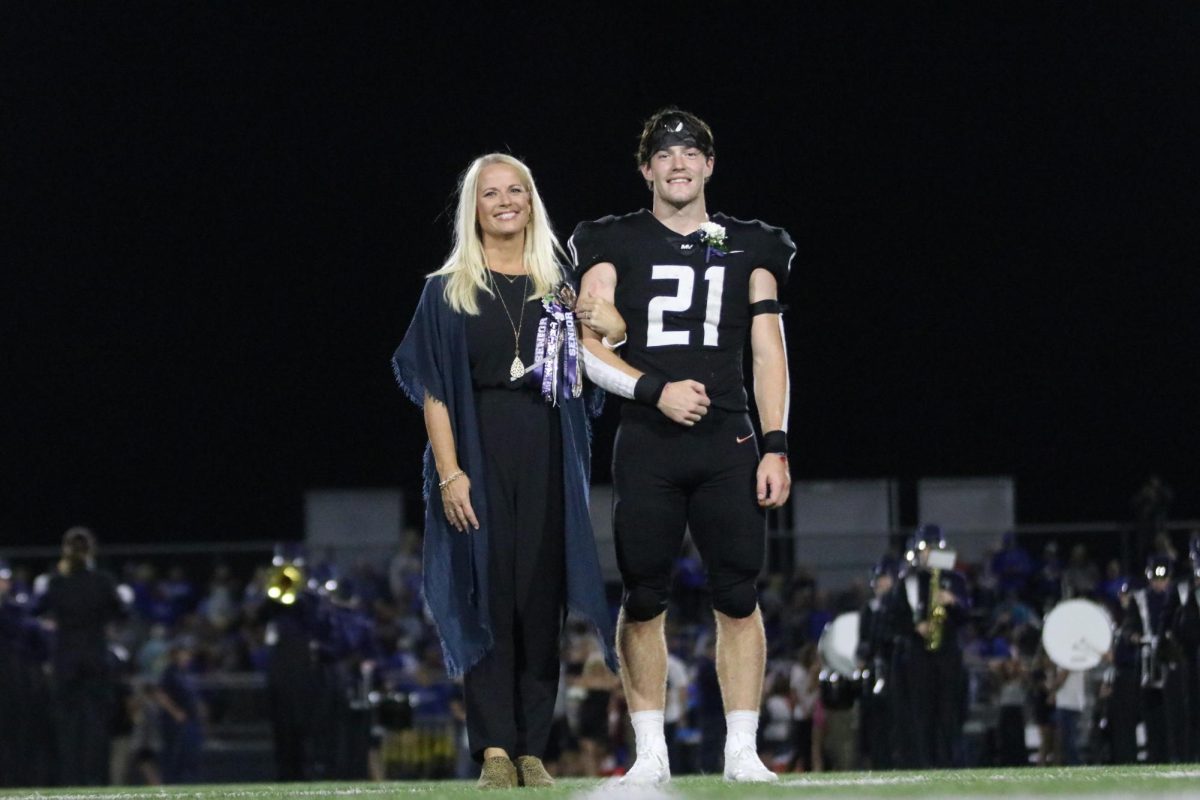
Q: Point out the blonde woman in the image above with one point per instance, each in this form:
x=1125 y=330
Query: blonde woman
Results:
x=492 y=356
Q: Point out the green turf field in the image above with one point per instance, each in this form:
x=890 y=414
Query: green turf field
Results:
x=1177 y=781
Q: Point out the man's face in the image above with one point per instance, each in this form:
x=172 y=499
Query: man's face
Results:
x=677 y=174
x=883 y=584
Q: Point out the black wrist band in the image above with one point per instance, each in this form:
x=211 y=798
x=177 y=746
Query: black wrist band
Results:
x=648 y=389
x=775 y=442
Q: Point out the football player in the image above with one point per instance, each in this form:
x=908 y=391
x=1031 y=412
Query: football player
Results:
x=692 y=287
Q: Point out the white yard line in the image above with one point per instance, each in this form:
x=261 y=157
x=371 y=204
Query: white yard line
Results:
x=861 y=780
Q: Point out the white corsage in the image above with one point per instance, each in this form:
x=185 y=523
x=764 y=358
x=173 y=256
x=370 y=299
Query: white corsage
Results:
x=713 y=235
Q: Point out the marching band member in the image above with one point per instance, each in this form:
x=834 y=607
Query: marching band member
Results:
x=1123 y=683
x=1187 y=633
x=927 y=608
x=1163 y=692
x=876 y=734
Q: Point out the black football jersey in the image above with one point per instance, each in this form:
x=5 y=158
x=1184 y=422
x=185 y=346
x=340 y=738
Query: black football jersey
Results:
x=686 y=306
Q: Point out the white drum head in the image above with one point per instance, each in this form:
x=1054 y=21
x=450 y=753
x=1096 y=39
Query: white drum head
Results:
x=839 y=643
x=1077 y=634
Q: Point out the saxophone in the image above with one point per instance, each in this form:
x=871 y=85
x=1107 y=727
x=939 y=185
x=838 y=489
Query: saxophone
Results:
x=937 y=612
x=285 y=582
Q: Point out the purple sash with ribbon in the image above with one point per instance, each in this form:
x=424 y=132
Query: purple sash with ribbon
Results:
x=556 y=357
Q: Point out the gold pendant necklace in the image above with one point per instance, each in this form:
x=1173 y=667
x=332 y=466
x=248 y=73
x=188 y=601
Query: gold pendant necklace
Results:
x=517 y=370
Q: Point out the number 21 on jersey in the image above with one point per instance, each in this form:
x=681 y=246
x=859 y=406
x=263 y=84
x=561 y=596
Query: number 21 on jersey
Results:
x=684 y=277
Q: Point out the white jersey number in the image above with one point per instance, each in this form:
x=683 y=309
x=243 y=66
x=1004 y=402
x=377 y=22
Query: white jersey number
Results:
x=681 y=300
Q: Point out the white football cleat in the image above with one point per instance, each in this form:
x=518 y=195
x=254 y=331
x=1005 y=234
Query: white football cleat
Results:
x=649 y=769
x=744 y=766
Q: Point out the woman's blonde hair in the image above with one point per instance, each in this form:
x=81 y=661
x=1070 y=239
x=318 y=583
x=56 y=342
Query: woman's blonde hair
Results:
x=465 y=268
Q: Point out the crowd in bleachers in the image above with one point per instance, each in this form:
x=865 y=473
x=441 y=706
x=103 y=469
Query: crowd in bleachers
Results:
x=184 y=631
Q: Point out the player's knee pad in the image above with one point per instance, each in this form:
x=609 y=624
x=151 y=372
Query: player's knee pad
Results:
x=735 y=598
x=643 y=603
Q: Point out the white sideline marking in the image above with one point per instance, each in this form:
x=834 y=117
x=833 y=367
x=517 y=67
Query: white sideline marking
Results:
x=895 y=780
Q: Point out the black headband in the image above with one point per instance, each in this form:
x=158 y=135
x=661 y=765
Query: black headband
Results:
x=676 y=132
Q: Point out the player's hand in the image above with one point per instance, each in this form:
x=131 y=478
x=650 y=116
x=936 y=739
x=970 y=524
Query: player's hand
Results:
x=684 y=402
x=601 y=316
x=774 y=480
x=456 y=498
x=923 y=629
x=947 y=598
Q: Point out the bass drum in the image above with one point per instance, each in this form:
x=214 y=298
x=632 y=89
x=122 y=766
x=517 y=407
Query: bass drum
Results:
x=1077 y=634
x=841 y=681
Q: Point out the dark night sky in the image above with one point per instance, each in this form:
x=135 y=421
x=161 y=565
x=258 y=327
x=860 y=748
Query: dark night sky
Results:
x=220 y=215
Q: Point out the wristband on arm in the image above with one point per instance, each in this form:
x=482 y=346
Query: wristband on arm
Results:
x=610 y=346
x=775 y=442
x=649 y=388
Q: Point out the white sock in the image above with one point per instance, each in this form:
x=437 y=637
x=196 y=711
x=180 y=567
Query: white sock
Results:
x=648 y=731
x=741 y=730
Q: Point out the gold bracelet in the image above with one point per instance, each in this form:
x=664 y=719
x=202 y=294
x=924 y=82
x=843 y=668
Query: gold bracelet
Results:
x=443 y=484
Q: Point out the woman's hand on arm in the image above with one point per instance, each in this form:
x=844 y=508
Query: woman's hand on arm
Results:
x=453 y=483
x=684 y=402
x=599 y=315
x=602 y=366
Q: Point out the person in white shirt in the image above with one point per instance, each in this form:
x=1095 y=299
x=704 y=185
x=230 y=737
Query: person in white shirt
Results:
x=777 y=723
x=1070 y=698
x=806 y=711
